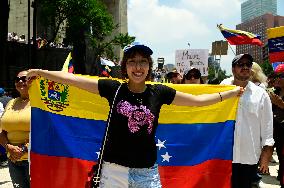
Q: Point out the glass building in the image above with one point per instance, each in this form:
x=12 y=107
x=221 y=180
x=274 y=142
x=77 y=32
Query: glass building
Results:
x=253 y=8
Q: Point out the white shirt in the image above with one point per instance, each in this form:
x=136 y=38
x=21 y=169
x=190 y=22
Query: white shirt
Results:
x=1 y=109
x=262 y=85
x=254 y=124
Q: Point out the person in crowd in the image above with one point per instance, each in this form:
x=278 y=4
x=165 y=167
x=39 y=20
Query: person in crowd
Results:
x=259 y=79
x=253 y=135
x=174 y=77
x=277 y=99
x=129 y=157
x=3 y=156
x=4 y=99
x=1 y=109
x=257 y=76
x=15 y=130
x=3 y=102
x=192 y=76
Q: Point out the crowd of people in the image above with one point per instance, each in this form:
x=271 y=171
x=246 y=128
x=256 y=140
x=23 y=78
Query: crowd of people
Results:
x=259 y=124
x=41 y=42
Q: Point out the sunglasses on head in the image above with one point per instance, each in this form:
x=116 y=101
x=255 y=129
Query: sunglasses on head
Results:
x=21 y=78
x=189 y=76
x=242 y=65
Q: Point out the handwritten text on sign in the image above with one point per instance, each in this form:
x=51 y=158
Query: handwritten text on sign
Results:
x=197 y=58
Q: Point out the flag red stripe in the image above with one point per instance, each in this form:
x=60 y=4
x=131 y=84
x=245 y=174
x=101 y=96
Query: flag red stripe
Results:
x=241 y=39
x=210 y=174
x=276 y=57
x=67 y=172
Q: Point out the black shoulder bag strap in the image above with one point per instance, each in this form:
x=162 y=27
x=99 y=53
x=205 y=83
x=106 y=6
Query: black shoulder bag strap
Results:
x=96 y=179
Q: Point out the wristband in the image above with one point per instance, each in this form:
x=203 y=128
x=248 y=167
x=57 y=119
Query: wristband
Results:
x=221 y=99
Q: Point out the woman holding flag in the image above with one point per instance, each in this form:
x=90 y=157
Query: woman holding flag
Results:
x=130 y=151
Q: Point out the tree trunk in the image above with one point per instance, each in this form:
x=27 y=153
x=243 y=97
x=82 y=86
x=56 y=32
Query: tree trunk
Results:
x=79 y=52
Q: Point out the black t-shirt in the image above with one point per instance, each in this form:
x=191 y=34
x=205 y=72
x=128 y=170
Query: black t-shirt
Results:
x=133 y=123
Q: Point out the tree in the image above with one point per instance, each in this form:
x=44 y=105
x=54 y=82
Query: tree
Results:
x=84 y=19
x=105 y=48
x=266 y=68
x=216 y=73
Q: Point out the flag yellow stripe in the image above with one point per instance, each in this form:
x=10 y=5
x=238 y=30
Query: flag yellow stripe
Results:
x=66 y=63
x=250 y=35
x=275 y=32
x=84 y=104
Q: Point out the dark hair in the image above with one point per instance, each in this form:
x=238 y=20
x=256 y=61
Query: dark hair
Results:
x=131 y=54
x=183 y=80
x=194 y=71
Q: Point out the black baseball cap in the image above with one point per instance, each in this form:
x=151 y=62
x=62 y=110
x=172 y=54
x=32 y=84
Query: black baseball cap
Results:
x=240 y=56
x=137 y=46
x=172 y=74
x=192 y=70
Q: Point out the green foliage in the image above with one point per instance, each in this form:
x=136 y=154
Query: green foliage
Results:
x=84 y=18
x=105 y=48
x=216 y=73
x=266 y=68
x=123 y=40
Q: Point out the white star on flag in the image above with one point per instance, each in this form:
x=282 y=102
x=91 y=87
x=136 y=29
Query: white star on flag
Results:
x=166 y=157
x=98 y=153
x=161 y=144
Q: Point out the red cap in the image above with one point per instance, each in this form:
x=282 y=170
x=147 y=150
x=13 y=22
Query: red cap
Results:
x=279 y=69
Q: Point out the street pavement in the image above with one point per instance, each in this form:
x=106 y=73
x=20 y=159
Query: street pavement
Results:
x=268 y=181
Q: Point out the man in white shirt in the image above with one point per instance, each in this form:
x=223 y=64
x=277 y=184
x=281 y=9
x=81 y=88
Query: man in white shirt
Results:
x=253 y=136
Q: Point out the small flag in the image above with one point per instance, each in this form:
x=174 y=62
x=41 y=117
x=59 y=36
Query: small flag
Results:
x=238 y=37
x=276 y=44
x=68 y=65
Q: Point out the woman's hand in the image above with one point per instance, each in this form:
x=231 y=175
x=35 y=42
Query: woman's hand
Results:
x=32 y=74
x=239 y=91
x=15 y=152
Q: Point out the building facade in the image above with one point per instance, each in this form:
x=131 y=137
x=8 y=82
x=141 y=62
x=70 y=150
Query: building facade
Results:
x=254 y=8
x=259 y=26
x=18 y=17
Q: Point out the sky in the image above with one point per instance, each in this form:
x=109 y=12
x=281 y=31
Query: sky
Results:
x=169 y=25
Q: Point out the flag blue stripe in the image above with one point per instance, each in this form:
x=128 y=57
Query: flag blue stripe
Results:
x=193 y=144
x=276 y=44
x=188 y=144
x=65 y=136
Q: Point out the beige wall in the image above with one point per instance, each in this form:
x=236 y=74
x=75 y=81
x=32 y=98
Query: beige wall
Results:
x=18 y=18
x=118 y=8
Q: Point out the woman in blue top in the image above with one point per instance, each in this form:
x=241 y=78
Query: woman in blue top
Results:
x=130 y=151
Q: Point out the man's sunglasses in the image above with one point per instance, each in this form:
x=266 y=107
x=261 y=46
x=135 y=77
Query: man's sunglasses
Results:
x=189 y=76
x=242 y=65
x=21 y=78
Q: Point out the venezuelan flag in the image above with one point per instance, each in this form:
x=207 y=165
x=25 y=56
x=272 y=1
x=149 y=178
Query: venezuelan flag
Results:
x=276 y=44
x=238 y=37
x=68 y=64
x=195 y=144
